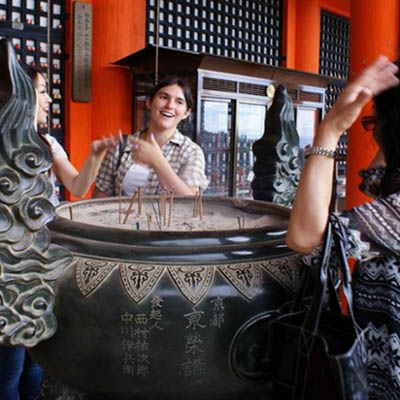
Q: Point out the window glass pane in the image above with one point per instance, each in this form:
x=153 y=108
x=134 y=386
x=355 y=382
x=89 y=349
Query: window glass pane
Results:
x=250 y=128
x=214 y=138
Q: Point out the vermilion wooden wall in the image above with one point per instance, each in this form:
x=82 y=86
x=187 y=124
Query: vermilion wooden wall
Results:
x=302 y=30
x=374 y=31
x=118 y=30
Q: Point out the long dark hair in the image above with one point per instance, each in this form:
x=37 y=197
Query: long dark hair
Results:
x=387 y=135
x=174 y=80
x=31 y=71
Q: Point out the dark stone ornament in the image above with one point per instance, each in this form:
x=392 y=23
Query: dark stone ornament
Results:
x=29 y=264
x=277 y=166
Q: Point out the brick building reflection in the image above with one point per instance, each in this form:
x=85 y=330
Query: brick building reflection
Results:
x=216 y=147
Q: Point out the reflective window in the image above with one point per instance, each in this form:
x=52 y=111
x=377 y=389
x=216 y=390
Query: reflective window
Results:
x=250 y=128
x=215 y=140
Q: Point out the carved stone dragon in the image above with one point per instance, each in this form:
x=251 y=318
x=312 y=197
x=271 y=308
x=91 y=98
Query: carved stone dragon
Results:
x=29 y=264
x=277 y=166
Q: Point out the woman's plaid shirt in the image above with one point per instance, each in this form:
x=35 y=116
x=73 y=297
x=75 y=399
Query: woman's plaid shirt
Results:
x=184 y=156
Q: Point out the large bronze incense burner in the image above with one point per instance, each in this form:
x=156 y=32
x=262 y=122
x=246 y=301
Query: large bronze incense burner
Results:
x=166 y=298
x=164 y=313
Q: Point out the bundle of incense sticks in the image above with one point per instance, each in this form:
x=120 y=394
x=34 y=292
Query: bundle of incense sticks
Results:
x=130 y=207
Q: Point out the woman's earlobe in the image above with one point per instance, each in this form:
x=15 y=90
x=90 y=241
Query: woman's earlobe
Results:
x=148 y=103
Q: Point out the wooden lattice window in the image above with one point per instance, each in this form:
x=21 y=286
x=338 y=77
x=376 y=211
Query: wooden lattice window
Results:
x=242 y=29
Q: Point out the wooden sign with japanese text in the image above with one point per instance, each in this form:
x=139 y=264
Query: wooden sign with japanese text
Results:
x=82 y=52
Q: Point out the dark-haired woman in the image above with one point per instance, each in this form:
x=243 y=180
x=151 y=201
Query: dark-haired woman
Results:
x=158 y=157
x=372 y=229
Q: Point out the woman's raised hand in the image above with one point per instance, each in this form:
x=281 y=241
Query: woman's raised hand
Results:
x=146 y=151
x=374 y=79
x=100 y=146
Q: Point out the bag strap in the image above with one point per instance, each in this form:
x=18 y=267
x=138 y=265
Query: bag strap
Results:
x=299 y=299
x=339 y=238
x=121 y=148
x=313 y=317
x=333 y=236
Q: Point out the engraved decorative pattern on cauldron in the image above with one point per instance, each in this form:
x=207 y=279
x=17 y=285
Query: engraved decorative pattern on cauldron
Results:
x=140 y=279
x=286 y=270
x=246 y=278
x=91 y=273
x=193 y=281
x=29 y=264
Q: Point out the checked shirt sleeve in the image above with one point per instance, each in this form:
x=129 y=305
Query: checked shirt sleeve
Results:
x=105 y=179
x=192 y=169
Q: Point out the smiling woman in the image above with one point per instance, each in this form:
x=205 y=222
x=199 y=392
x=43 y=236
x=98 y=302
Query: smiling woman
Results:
x=158 y=157
x=77 y=182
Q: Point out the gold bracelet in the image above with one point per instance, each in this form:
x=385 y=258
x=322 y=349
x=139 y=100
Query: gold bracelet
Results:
x=319 y=151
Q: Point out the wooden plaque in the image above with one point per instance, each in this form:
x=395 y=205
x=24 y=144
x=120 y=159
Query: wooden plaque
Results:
x=82 y=52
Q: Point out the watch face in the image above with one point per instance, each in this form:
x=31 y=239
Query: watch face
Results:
x=270 y=91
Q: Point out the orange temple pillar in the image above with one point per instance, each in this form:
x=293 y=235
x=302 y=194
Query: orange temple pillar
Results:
x=374 y=31
x=307 y=35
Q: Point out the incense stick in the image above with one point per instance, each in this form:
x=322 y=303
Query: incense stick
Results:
x=130 y=207
x=171 y=204
x=164 y=206
x=71 y=213
x=139 y=200
x=195 y=205
x=148 y=221
x=119 y=204
x=200 y=201
x=239 y=222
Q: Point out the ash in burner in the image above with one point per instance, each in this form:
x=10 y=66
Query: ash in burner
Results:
x=179 y=213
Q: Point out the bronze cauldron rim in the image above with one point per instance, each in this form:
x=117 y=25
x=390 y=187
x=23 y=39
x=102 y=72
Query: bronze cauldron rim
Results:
x=175 y=245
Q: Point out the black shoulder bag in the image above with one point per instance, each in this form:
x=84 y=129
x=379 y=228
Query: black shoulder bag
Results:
x=318 y=352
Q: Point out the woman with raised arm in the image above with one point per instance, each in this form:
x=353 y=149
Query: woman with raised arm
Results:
x=372 y=229
x=78 y=183
x=158 y=157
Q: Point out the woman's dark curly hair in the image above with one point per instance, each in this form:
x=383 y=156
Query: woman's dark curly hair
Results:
x=387 y=135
